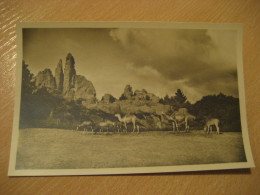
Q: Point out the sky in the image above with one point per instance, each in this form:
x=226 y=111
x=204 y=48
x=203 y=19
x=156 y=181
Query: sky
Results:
x=197 y=61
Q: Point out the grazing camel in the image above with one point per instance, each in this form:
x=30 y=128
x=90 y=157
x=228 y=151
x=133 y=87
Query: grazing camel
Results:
x=180 y=117
x=210 y=123
x=84 y=125
x=127 y=119
x=173 y=120
x=106 y=124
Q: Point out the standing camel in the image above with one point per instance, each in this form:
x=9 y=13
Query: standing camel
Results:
x=84 y=125
x=210 y=123
x=129 y=118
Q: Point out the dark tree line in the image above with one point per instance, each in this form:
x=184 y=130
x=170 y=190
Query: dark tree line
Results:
x=225 y=108
x=179 y=100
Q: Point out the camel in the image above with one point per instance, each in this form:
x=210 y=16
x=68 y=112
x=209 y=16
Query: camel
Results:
x=106 y=124
x=170 y=118
x=127 y=119
x=183 y=118
x=84 y=125
x=180 y=117
x=119 y=125
x=210 y=123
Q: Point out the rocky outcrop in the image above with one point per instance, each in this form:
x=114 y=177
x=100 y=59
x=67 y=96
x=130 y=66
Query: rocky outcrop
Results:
x=138 y=95
x=45 y=79
x=69 y=74
x=67 y=84
x=75 y=86
x=107 y=98
x=128 y=93
x=153 y=97
x=84 y=89
x=141 y=95
x=59 y=76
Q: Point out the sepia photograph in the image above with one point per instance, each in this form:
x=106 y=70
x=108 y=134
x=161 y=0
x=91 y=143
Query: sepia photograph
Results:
x=128 y=97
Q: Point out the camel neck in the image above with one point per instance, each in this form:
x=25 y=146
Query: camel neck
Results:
x=119 y=117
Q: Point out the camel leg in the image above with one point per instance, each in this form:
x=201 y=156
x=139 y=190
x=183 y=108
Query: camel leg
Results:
x=118 y=127
x=217 y=127
x=133 y=126
x=210 y=127
x=138 y=130
x=186 y=125
x=125 y=127
x=177 y=128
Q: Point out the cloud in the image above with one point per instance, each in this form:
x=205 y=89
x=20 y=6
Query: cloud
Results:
x=205 y=59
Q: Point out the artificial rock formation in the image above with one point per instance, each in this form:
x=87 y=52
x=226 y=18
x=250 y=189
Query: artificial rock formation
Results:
x=141 y=95
x=128 y=93
x=45 y=79
x=70 y=85
x=59 y=76
x=69 y=74
x=84 y=89
x=107 y=98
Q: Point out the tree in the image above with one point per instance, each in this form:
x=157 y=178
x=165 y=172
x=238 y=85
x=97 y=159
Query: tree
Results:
x=225 y=108
x=167 y=100
x=27 y=80
x=180 y=98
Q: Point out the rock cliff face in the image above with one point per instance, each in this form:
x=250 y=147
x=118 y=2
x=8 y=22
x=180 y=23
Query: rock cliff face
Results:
x=59 y=76
x=84 y=89
x=45 y=79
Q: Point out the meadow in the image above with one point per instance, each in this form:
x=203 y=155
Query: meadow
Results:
x=40 y=148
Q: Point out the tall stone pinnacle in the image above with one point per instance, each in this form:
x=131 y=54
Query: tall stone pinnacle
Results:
x=69 y=73
x=59 y=76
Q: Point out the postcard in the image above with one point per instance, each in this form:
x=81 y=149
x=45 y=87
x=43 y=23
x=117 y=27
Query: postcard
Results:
x=96 y=98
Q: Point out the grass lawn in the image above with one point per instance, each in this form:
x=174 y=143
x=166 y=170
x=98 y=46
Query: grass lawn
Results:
x=67 y=149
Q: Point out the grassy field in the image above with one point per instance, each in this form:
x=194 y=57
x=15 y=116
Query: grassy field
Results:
x=66 y=149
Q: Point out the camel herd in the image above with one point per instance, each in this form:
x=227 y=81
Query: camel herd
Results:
x=180 y=117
